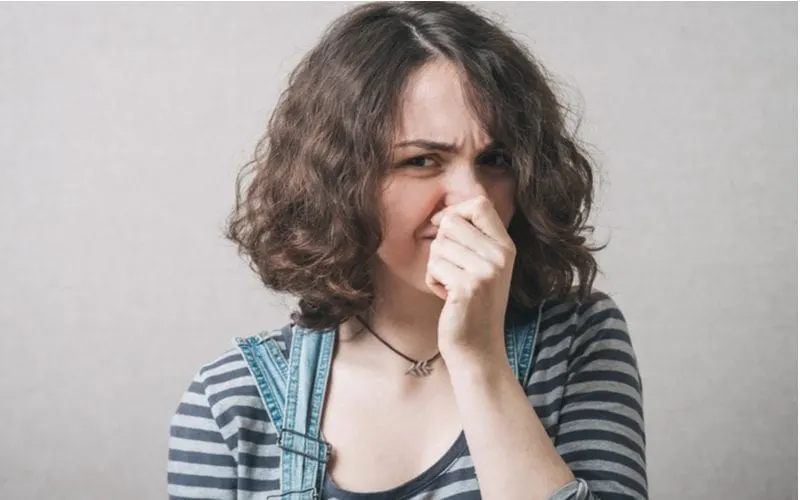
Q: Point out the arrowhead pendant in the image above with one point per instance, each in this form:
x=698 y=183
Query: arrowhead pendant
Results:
x=420 y=368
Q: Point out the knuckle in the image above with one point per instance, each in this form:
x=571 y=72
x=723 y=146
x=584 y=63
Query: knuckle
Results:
x=484 y=277
x=446 y=222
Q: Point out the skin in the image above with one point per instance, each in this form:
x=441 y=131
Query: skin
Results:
x=422 y=186
x=391 y=406
x=446 y=294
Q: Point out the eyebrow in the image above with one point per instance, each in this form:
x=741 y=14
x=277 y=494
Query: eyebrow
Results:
x=442 y=146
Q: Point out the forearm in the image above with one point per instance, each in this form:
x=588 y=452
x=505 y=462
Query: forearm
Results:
x=513 y=455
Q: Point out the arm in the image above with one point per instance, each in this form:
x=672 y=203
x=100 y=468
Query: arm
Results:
x=200 y=464
x=599 y=452
x=601 y=432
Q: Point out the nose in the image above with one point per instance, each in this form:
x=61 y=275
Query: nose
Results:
x=461 y=183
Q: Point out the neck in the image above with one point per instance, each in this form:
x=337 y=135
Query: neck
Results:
x=404 y=317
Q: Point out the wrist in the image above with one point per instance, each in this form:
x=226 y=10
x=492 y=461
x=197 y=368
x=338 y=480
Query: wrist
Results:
x=475 y=364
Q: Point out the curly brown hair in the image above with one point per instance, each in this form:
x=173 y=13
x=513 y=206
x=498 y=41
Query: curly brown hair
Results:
x=308 y=220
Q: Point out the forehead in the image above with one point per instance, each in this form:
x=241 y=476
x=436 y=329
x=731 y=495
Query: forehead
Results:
x=435 y=107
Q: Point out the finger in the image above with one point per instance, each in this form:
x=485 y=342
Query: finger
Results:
x=461 y=256
x=481 y=213
x=437 y=288
x=444 y=272
x=467 y=235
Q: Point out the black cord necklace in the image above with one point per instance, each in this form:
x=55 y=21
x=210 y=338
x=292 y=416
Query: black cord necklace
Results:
x=417 y=368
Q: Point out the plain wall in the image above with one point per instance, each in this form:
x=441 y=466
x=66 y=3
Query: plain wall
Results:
x=122 y=127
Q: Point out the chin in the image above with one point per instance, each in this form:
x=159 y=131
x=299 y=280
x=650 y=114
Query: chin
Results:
x=408 y=272
x=415 y=279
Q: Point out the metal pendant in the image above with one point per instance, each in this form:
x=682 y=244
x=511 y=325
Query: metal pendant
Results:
x=420 y=369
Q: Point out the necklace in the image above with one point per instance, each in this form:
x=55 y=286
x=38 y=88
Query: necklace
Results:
x=417 y=368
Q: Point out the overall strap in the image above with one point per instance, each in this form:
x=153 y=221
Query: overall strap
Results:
x=293 y=392
x=304 y=455
x=520 y=339
x=268 y=366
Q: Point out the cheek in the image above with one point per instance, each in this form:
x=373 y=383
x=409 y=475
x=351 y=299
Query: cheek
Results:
x=405 y=205
x=503 y=196
x=405 y=209
x=401 y=252
x=400 y=227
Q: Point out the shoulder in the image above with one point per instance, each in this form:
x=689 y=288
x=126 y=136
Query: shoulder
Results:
x=574 y=333
x=582 y=320
x=225 y=365
x=576 y=311
x=589 y=342
x=228 y=386
x=581 y=342
x=221 y=430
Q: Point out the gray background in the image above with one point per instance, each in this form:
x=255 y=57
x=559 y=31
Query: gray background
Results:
x=122 y=128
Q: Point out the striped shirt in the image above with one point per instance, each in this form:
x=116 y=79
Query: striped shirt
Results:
x=584 y=386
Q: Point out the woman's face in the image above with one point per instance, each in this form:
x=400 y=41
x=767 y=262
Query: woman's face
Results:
x=425 y=178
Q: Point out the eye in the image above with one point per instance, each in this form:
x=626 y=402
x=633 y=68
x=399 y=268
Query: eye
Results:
x=496 y=159
x=419 y=161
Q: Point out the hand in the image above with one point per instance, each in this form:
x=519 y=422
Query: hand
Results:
x=470 y=266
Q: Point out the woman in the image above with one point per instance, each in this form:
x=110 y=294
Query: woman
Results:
x=418 y=192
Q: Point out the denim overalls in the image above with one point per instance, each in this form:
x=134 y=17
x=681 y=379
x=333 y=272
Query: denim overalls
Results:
x=293 y=391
